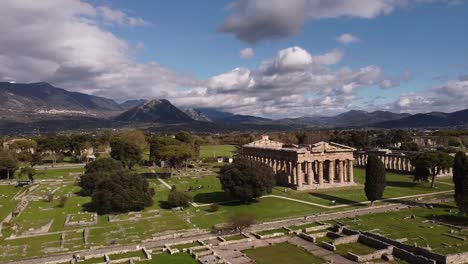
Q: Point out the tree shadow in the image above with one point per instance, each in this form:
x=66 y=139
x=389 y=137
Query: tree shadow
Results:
x=164 y=205
x=457 y=220
x=212 y=197
x=338 y=200
x=402 y=184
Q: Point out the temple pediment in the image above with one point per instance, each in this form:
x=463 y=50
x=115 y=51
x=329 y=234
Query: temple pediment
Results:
x=323 y=147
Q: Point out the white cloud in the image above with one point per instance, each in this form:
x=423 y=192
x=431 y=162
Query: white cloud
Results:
x=65 y=43
x=447 y=98
x=257 y=20
x=116 y=16
x=347 y=39
x=247 y=53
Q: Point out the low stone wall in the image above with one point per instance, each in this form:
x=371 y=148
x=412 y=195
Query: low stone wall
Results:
x=268 y=236
x=372 y=242
x=328 y=246
x=20 y=207
x=375 y=255
x=316 y=228
x=349 y=232
x=413 y=249
x=346 y=240
x=307 y=237
x=410 y=257
x=457 y=258
x=243 y=240
x=69 y=223
x=333 y=235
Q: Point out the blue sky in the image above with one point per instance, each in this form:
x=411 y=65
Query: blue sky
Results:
x=410 y=55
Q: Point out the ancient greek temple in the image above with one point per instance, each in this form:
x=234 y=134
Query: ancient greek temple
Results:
x=394 y=162
x=305 y=167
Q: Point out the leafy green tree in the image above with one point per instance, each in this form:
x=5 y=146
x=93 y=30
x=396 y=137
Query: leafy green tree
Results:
x=135 y=137
x=89 y=181
x=36 y=159
x=8 y=164
x=175 y=155
x=247 y=180
x=54 y=144
x=121 y=192
x=28 y=171
x=460 y=180
x=128 y=153
x=177 y=198
x=24 y=145
x=430 y=164
x=103 y=165
x=375 y=179
x=156 y=144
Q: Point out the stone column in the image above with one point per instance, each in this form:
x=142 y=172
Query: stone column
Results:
x=350 y=171
x=331 y=171
x=299 y=175
x=341 y=171
x=289 y=171
x=294 y=173
x=273 y=163
x=310 y=173
x=320 y=172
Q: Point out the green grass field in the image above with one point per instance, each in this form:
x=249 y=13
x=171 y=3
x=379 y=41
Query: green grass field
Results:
x=399 y=224
x=356 y=248
x=213 y=151
x=398 y=185
x=180 y=258
x=282 y=253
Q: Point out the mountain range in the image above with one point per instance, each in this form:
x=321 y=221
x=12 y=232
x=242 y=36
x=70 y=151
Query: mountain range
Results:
x=41 y=104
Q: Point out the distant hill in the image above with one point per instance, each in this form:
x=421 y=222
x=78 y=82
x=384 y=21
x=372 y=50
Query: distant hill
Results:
x=243 y=119
x=154 y=111
x=129 y=104
x=33 y=97
x=432 y=119
x=197 y=115
x=214 y=114
x=353 y=118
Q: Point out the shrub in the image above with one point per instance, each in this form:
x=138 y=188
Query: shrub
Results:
x=63 y=201
x=214 y=207
x=178 y=199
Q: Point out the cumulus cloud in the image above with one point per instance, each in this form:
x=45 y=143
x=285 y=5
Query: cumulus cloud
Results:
x=65 y=42
x=247 y=53
x=347 y=39
x=256 y=20
x=292 y=83
x=447 y=98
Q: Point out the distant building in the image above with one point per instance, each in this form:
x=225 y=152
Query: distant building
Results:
x=320 y=165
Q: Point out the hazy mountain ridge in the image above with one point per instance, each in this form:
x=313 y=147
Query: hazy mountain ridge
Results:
x=33 y=97
x=42 y=103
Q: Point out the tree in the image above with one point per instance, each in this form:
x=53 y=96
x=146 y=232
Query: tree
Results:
x=103 y=165
x=430 y=164
x=54 y=144
x=90 y=181
x=246 y=179
x=375 y=179
x=123 y=191
x=135 y=137
x=241 y=221
x=8 y=164
x=174 y=155
x=128 y=153
x=460 y=180
x=63 y=201
x=28 y=171
x=36 y=159
x=177 y=198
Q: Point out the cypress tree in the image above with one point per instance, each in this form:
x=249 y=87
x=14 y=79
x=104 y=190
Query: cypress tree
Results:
x=460 y=180
x=375 y=179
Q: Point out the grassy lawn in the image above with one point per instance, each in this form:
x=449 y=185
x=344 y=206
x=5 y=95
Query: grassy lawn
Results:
x=356 y=248
x=63 y=173
x=186 y=245
x=213 y=151
x=282 y=253
x=234 y=237
x=131 y=254
x=399 y=224
x=266 y=209
x=180 y=258
x=7 y=204
x=272 y=231
x=203 y=189
x=397 y=185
